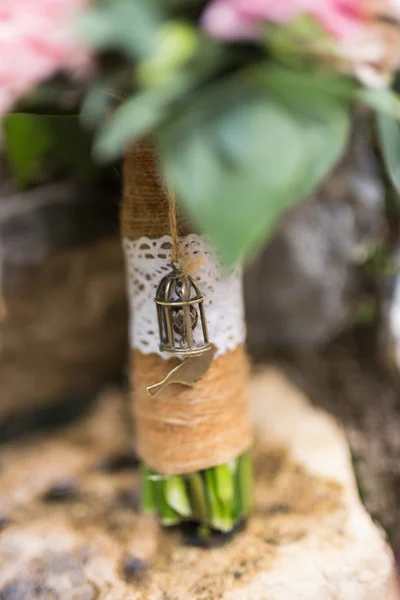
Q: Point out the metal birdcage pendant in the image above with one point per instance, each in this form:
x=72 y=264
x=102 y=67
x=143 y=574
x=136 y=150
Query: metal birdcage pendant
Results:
x=181 y=318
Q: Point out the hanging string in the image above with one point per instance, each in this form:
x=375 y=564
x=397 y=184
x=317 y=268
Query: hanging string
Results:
x=187 y=264
x=176 y=254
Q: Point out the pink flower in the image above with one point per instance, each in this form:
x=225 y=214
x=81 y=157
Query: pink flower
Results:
x=373 y=55
x=341 y=18
x=36 y=40
x=383 y=8
x=362 y=37
x=238 y=19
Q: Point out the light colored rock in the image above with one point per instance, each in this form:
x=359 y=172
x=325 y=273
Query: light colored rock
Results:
x=308 y=539
x=342 y=557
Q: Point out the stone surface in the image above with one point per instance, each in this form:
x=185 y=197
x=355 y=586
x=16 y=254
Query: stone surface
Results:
x=350 y=379
x=309 y=538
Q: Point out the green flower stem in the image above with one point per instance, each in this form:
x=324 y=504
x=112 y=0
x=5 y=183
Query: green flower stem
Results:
x=218 y=497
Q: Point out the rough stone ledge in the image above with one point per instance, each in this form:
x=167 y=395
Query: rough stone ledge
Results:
x=71 y=528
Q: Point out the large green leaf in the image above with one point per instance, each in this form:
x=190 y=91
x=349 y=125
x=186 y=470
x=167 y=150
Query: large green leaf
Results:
x=122 y=24
x=303 y=86
x=389 y=137
x=240 y=156
x=136 y=117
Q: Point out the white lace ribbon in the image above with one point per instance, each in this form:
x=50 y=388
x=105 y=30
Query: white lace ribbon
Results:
x=147 y=261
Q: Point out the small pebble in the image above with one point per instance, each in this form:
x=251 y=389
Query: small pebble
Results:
x=130 y=498
x=118 y=462
x=278 y=509
x=133 y=568
x=271 y=542
x=62 y=490
x=4 y=520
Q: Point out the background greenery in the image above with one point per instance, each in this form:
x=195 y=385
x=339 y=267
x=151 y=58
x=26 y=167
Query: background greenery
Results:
x=245 y=131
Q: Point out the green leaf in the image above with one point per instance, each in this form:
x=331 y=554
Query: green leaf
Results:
x=176 y=45
x=28 y=138
x=150 y=108
x=304 y=86
x=96 y=106
x=383 y=100
x=242 y=154
x=121 y=24
x=134 y=118
x=389 y=139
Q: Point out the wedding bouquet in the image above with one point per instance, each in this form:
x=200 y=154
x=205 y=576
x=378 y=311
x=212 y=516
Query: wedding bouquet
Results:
x=250 y=104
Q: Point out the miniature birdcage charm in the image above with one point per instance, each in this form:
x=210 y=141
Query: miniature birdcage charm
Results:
x=181 y=318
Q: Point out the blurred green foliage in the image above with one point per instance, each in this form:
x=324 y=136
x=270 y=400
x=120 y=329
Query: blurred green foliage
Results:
x=245 y=131
x=39 y=148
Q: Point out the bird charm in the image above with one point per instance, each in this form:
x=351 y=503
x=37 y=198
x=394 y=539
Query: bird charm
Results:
x=187 y=372
x=183 y=330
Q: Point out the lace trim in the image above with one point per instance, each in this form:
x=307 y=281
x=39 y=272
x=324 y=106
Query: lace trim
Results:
x=147 y=261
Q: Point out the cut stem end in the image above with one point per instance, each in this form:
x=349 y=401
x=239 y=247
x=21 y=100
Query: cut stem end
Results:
x=219 y=497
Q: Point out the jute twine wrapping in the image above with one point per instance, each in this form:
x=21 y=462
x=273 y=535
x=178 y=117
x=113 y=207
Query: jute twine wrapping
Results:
x=145 y=206
x=183 y=429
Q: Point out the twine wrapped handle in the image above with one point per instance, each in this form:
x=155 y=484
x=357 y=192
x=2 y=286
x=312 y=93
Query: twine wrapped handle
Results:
x=184 y=429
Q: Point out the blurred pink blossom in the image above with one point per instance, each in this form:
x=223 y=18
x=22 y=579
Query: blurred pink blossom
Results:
x=235 y=19
x=373 y=55
x=382 y=8
x=36 y=40
x=360 y=37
